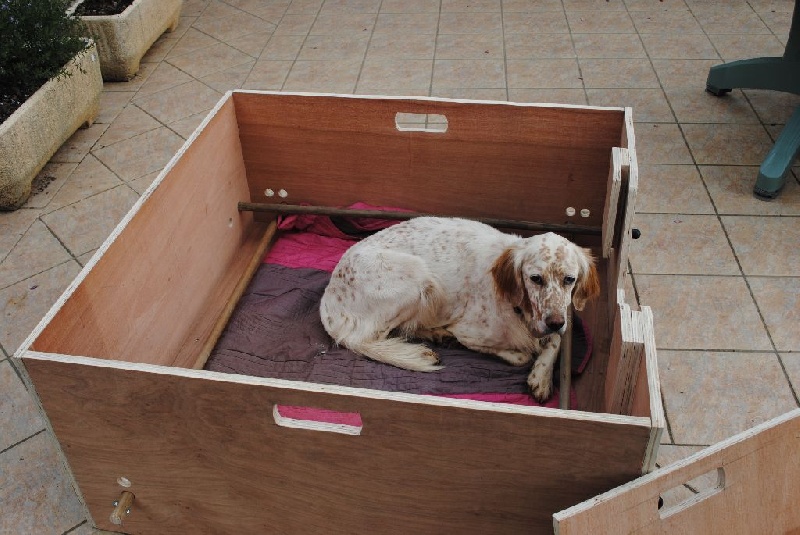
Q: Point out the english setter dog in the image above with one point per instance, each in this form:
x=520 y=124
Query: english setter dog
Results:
x=432 y=278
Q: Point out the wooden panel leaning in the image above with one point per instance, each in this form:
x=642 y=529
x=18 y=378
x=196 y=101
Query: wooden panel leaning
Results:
x=757 y=490
x=208 y=452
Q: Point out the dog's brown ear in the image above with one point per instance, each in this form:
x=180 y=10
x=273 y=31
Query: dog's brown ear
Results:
x=588 y=286
x=506 y=279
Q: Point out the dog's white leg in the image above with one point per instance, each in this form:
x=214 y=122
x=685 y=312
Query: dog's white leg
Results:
x=540 y=379
x=398 y=352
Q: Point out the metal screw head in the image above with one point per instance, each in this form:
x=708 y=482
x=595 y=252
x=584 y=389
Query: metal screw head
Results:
x=116 y=503
x=127 y=511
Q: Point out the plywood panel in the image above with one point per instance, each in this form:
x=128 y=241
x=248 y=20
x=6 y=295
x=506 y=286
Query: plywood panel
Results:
x=206 y=455
x=162 y=282
x=495 y=160
x=757 y=492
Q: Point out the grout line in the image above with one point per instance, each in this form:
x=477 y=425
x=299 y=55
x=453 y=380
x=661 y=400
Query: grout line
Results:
x=505 y=56
x=29 y=277
x=436 y=48
x=305 y=38
x=72 y=529
x=575 y=51
x=12 y=446
x=366 y=49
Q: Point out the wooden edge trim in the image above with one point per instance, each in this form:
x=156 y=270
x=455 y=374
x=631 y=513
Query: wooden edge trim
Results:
x=340 y=390
x=45 y=321
x=631 y=354
x=401 y=98
x=685 y=469
x=657 y=417
x=236 y=294
x=612 y=201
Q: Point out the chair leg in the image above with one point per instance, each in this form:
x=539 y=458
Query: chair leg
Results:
x=773 y=172
x=776 y=74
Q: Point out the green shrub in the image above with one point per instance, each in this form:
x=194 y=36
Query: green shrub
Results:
x=38 y=39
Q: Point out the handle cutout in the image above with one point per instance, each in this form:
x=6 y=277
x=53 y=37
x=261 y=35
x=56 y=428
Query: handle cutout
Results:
x=703 y=487
x=421 y=122
x=314 y=419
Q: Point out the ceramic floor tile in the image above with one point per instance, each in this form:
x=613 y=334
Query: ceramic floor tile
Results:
x=164 y=76
x=334 y=47
x=86 y=224
x=111 y=105
x=78 y=145
x=778 y=299
x=185 y=127
x=470 y=5
x=601 y=45
x=235 y=25
x=778 y=23
x=252 y=44
x=270 y=12
x=672 y=189
x=401 y=25
x=538 y=46
x=661 y=143
x=671 y=21
x=13 y=225
x=25 y=303
x=210 y=59
x=791 y=361
x=534 y=23
x=36 y=251
x=35 y=491
x=410 y=6
x=383 y=74
x=738 y=22
x=47 y=183
x=337 y=76
x=744 y=46
x=600 y=21
x=417 y=46
x=731 y=187
x=142 y=183
x=141 y=154
x=681 y=245
x=693 y=105
x=471 y=93
x=702 y=312
x=727 y=144
x=555 y=96
x=131 y=122
x=282 y=47
x=267 y=75
x=543 y=73
x=527 y=6
x=159 y=50
x=179 y=102
x=85 y=257
x=773 y=106
x=710 y=396
x=481 y=23
x=335 y=23
x=691 y=73
x=194 y=7
x=229 y=79
x=688 y=46
x=192 y=41
x=766 y=245
x=649 y=105
x=295 y=24
x=484 y=73
x=19 y=413
x=469 y=46
x=603 y=6
x=649 y=5
x=89 y=178
x=618 y=73
x=351 y=6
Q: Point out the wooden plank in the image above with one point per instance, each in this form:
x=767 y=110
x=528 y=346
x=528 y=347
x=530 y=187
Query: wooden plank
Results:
x=758 y=492
x=618 y=158
x=647 y=394
x=163 y=277
x=204 y=454
x=628 y=353
x=335 y=151
x=630 y=178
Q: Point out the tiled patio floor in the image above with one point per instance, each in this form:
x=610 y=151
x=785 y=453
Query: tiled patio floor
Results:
x=720 y=269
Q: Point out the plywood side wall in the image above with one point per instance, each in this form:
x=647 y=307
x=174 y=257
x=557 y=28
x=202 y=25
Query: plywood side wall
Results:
x=208 y=456
x=156 y=292
x=494 y=160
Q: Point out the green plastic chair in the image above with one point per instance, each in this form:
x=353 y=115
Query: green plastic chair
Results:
x=778 y=74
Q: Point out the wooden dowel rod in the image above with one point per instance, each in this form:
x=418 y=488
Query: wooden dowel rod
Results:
x=225 y=316
x=380 y=214
x=122 y=507
x=566 y=364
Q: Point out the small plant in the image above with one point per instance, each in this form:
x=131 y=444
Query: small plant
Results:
x=38 y=39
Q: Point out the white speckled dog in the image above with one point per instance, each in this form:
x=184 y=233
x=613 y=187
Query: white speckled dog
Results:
x=433 y=278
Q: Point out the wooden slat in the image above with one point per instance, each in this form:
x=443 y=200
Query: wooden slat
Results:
x=647 y=393
x=204 y=454
x=626 y=359
x=630 y=178
x=759 y=491
x=167 y=271
x=619 y=158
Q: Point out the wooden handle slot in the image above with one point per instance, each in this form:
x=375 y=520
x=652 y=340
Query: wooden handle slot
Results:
x=434 y=123
x=122 y=507
x=315 y=419
x=701 y=493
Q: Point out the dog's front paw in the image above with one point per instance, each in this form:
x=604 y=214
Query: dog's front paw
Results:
x=541 y=384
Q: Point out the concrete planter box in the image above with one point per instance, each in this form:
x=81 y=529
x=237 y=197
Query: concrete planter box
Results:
x=123 y=39
x=30 y=137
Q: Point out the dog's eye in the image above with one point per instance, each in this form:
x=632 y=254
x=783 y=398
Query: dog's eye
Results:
x=536 y=279
x=569 y=280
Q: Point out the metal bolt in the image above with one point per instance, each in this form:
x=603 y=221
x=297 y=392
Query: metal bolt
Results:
x=116 y=503
x=127 y=511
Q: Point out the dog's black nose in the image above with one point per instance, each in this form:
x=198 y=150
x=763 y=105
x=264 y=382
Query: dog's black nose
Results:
x=555 y=326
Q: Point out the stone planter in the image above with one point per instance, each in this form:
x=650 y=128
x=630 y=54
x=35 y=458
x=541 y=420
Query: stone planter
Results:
x=33 y=133
x=123 y=39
